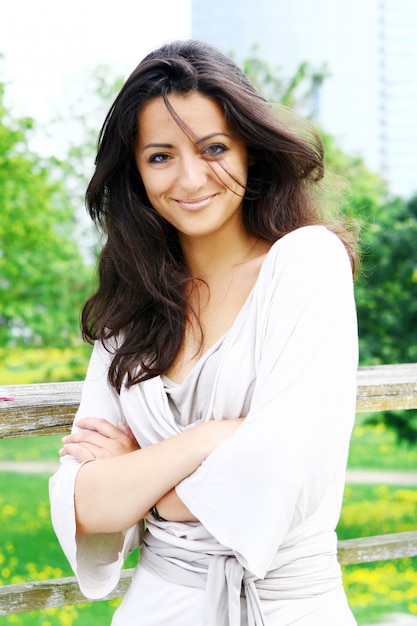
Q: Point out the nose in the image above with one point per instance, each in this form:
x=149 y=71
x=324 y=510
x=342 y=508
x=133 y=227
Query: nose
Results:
x=192 y=173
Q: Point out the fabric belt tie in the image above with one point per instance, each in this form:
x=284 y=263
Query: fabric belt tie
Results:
x=223 y=578
x=226 y=581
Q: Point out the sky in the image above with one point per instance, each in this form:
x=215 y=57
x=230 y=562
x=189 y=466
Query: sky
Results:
x=50 y=47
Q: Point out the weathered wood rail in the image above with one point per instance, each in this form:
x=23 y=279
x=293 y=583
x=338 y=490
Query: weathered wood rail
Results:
x=49 y=408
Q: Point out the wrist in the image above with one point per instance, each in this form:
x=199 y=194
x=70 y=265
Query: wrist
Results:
x=155 y=514
x=171 y=508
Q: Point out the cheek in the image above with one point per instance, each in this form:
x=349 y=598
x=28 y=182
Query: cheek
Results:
x=147 y=186
x=150 y=184
x=238 y=177
x=156 y=197
x=232 y=173
x=240 y=166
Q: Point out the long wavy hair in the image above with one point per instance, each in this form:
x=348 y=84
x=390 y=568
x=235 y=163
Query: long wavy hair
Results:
x=140 y=301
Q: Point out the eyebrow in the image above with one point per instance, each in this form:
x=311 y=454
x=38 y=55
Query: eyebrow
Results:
x=169 y=146
x=207 y=137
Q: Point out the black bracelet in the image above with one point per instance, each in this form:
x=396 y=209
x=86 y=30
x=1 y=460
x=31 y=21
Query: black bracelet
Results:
x=154 y=512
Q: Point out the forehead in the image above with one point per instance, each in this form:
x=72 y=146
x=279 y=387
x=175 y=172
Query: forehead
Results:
x=200 y=114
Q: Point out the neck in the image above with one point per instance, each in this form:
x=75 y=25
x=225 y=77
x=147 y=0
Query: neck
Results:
x=205 y=257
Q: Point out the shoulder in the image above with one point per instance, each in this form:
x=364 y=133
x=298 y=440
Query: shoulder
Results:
x=309 y=237
x=304 y=258
x=307 y=246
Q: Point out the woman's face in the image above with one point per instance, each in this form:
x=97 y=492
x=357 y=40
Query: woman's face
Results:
x=195 y=181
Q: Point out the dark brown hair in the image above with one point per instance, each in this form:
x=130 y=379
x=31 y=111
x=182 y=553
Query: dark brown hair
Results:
x=142 y=275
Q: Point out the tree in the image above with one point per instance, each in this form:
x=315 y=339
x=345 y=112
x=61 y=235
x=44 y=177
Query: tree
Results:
x=43 y=278
x=387 y=301
x=298 y=92
x=388 y=304
x=84 y=117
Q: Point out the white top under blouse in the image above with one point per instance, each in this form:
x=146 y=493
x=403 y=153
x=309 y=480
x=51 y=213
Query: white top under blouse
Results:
x=267 y=499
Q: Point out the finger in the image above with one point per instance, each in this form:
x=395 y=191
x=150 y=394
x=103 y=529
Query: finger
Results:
x=78 y=451
x=102 y=426
x=129 y=433
x=88 y=437
x=126 y=430
x=103 y=433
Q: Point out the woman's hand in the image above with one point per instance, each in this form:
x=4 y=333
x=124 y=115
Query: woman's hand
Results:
x=98 y=439
x=114 y=494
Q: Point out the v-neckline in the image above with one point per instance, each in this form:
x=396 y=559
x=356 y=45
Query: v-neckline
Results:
x=216 y=345
x=172 y=383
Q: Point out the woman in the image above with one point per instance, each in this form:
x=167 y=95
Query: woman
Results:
x=220 y=395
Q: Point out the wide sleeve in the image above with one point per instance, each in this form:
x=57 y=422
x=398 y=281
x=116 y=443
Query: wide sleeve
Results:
x=273 y=474
x=95 y=559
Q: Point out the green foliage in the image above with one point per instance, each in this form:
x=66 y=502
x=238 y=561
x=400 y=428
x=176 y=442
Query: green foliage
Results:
x=402 y=423
x=370 y=510
x=43 y=279
x=365 y=193
x=86 y=116
x=22 y=366
x=386 y=289
x=387 y=293
x=377 y=590
x=386 y=297
x=375 y=445
x=297 y=92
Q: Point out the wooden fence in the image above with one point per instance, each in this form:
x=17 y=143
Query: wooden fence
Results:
x=49 y=409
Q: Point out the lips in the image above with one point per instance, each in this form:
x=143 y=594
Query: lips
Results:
x=195 y=204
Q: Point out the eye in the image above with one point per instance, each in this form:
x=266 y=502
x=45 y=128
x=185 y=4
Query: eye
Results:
x=158 y=158
x=214 y=150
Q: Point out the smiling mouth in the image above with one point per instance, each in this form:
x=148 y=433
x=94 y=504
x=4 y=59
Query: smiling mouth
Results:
x=195 y=205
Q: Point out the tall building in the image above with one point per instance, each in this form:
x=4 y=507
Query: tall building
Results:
x=369 y=100
x=398 y=92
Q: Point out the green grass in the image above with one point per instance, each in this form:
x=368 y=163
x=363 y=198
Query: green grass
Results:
x=376 y=447
x=376 y=589
x=379 y=589
x=377 y=510
x=43 y=448
x=30 y=551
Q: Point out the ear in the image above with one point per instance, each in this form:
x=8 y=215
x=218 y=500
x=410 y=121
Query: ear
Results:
x=251 y=160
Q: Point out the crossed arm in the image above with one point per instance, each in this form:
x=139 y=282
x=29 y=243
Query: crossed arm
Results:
x=118 y=489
